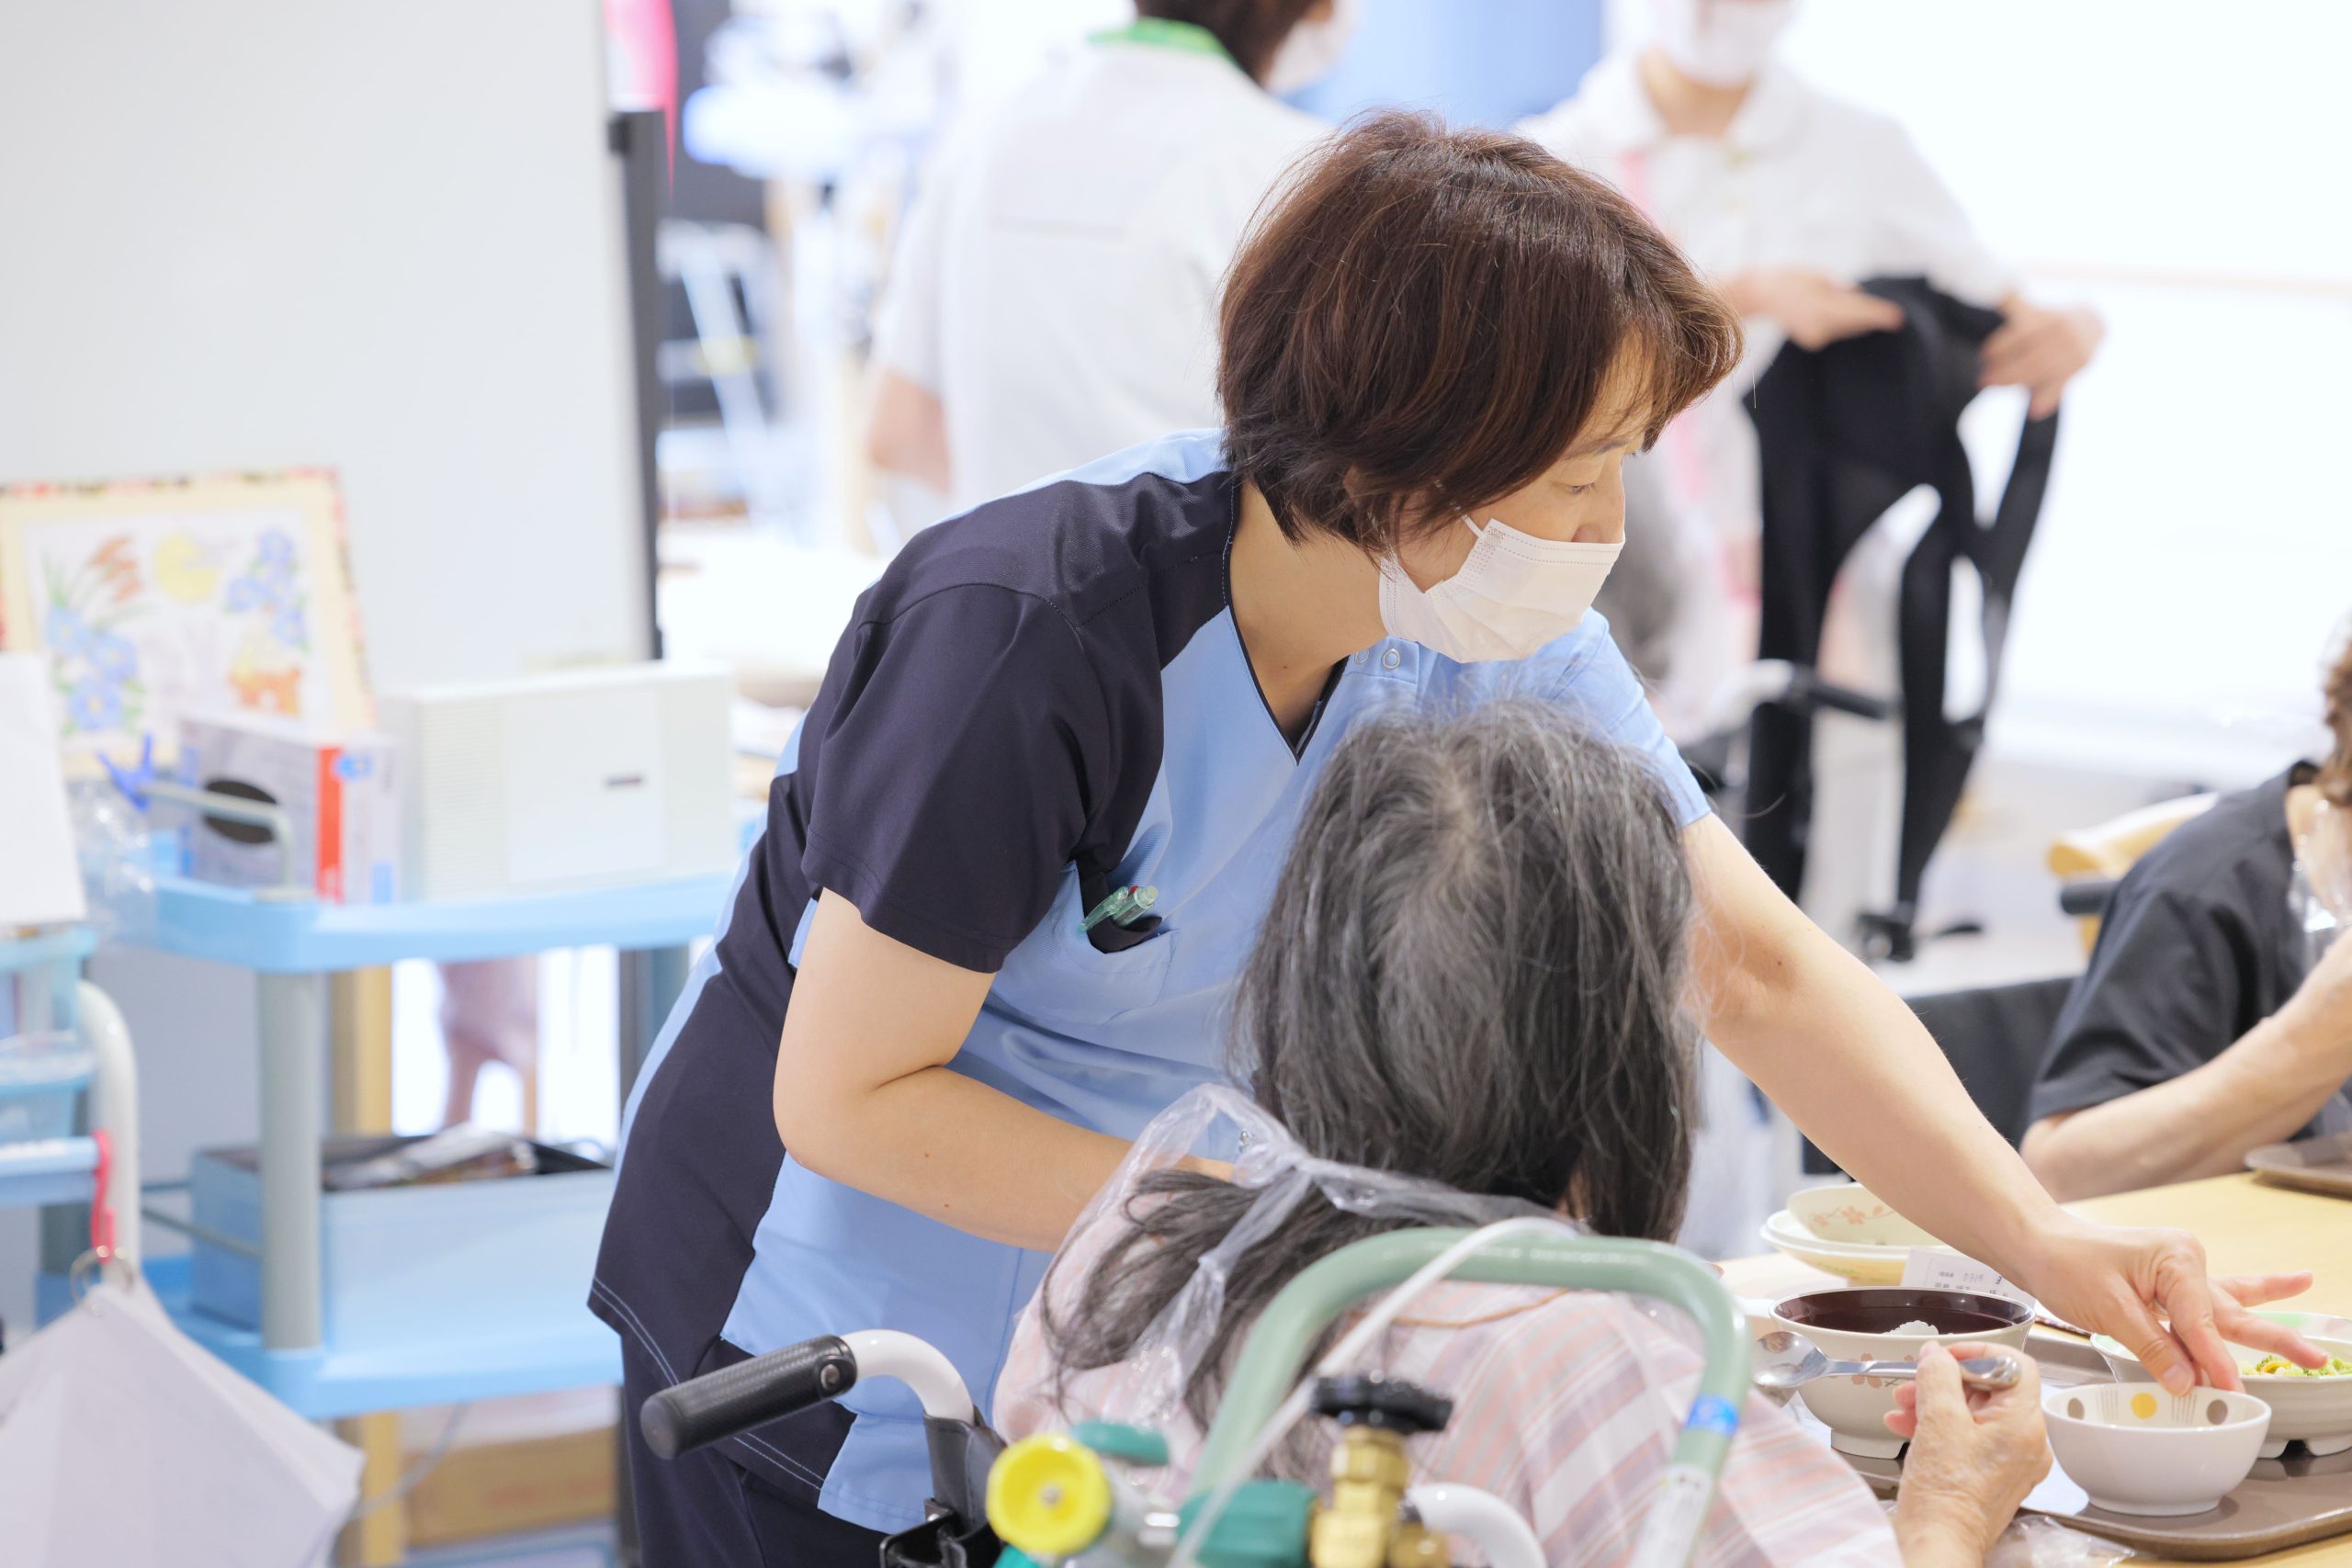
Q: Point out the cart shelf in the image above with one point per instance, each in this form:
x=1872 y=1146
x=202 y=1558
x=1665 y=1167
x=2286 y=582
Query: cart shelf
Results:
x=48 y=1170
x=306 y=936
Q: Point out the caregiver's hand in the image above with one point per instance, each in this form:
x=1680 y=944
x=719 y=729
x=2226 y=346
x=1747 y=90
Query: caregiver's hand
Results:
x=1974 y=1455
x=2149 y=1290
x=1813 y=308
x=2041 y=350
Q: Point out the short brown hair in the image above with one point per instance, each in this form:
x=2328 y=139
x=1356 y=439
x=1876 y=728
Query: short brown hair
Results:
x=1250 y=31
x=1423 y=320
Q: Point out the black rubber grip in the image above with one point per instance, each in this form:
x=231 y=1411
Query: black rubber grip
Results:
x=1808 y=690
x=704 y=1410
x=2086 y=896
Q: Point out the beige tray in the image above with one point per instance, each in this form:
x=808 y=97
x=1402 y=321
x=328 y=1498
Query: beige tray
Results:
x=2286 y=1502
x=2311 y=1165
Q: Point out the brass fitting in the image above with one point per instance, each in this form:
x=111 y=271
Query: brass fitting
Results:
x=1368 y=1477
x=1415 y=1545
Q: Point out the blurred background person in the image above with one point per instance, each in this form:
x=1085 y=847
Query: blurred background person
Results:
x=489 y=1012
x=1052 y=295
x=2216 y=1015
x=1787 y=198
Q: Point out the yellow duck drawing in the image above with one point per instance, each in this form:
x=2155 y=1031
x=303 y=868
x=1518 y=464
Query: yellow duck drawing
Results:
x=183 y=572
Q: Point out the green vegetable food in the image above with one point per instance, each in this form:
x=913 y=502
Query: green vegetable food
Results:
x=2279 y=1367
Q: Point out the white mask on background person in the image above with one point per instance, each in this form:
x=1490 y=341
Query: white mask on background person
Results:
x=1307 y=55
x=1720 y=42
x=2325 y=855
x=1514 y=594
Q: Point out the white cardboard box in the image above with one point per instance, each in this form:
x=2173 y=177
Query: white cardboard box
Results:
x=579 y=779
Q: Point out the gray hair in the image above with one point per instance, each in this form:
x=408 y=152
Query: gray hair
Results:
x=1472 y=971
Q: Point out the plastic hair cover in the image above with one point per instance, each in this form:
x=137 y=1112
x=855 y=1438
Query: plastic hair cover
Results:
x=1216 y=1123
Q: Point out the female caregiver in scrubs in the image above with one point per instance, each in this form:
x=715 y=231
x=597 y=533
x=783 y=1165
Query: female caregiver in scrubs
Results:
x=1437 y=350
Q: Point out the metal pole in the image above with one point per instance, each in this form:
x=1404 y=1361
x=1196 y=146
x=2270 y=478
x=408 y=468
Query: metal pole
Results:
x=641 y=142
x=651 y=981
x=293 y=1026
x=114 y=1106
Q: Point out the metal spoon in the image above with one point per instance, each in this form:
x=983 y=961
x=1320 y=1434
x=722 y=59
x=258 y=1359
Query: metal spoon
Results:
x=1786 y=1360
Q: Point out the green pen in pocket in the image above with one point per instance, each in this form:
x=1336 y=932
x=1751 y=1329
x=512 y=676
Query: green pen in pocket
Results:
x=1124 y=906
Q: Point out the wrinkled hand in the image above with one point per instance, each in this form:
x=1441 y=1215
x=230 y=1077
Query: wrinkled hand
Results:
x=2041 y=351
x=1814 y=308
x=1974 y=1452
x=2148 y=1289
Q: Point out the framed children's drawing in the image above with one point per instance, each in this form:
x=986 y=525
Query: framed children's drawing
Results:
x=156 y=598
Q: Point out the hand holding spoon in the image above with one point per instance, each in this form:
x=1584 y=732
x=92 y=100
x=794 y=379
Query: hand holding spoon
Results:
x=1786 y=1360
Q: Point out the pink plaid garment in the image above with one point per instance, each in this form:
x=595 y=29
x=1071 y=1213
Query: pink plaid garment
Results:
x=1565 y=1406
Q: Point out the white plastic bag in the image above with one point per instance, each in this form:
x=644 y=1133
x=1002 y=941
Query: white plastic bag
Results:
x=124 y=1444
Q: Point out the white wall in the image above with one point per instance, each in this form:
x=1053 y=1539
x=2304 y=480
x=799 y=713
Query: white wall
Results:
x=383 y=238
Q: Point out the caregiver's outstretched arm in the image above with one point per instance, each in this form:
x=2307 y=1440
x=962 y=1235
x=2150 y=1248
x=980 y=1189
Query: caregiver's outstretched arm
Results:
x=1851 y=1066
x=864 y=1097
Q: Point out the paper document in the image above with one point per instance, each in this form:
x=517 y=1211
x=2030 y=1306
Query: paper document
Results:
x=1942 y=1269
x=40 y=882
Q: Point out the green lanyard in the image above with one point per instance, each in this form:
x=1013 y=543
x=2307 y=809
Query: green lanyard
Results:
x=1158 y=32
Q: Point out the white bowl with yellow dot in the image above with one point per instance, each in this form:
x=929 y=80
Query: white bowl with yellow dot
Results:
x=2314 y=1411
x=2133 y=1449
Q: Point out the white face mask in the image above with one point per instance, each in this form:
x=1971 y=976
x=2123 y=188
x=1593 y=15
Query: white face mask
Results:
x=1307 y=55
x=1514 y=594
x=1720 y=42
x=2324 y=853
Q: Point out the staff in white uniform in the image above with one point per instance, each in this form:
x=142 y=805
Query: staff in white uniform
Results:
x=1787 y=197
x=1054 y=296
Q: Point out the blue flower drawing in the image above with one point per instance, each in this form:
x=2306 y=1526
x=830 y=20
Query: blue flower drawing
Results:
x=288 y=627
x=65 y=632
x=95 y=704
x=114 y=658
x=92 y=667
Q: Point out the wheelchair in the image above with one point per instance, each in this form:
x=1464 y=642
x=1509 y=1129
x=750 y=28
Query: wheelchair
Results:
x=1079 y=1497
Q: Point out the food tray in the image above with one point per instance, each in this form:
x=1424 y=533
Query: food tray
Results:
x=2309 y=1164
x=2286 y=1502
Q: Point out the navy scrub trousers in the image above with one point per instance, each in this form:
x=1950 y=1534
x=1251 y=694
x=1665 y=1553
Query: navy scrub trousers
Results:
x=703 y=1507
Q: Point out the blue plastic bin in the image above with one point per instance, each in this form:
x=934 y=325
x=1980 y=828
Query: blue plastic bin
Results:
x=405 y=1265
x=42 y=1079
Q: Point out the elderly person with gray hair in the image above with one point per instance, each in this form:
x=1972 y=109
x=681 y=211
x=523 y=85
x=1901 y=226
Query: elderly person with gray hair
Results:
x=1472 y=974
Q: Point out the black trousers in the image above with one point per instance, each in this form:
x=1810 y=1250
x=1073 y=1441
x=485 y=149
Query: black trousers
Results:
x=704 y=1510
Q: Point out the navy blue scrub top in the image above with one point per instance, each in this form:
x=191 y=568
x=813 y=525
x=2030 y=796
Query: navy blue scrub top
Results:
x=1038 y=701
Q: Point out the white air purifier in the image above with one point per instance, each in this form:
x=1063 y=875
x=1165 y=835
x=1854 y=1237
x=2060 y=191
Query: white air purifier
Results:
x=576 y=780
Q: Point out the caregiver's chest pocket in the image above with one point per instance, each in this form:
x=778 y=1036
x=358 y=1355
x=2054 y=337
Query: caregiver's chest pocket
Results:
x=1058 y=978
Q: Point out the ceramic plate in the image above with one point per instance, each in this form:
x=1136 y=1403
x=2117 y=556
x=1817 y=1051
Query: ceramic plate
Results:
x=2312 y=1165
x=1863 y=1264
x=1851 y=1215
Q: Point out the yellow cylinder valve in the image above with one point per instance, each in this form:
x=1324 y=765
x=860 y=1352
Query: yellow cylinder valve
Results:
x=1049 y=1498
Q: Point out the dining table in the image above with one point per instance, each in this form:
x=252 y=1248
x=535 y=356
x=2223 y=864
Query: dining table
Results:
x=2248 y=1226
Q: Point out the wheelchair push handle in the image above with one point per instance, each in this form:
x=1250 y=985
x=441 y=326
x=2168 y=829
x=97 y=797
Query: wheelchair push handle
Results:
x=701 y=1411
x=734 y=1399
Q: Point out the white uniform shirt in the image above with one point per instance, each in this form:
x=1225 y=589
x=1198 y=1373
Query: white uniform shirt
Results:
x=1798 y=180
x=1058 y=282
